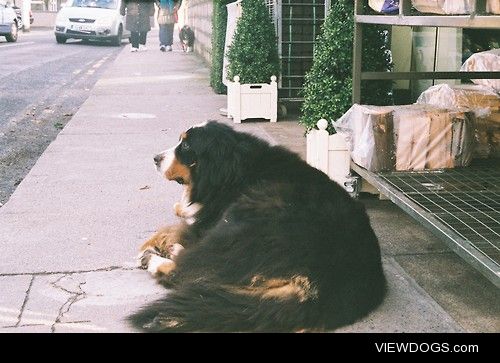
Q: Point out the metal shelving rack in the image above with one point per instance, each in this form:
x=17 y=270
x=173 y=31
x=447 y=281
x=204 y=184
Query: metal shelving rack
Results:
x=476 y=20
x=461 y=206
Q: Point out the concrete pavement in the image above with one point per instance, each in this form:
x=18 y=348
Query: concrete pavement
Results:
x=70 y=231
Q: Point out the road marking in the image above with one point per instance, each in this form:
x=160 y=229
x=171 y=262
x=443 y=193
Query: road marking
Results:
x=100 y=62
x=16 y=44
x=97 y=64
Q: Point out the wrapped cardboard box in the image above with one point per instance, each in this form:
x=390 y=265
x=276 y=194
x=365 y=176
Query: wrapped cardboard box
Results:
x=493 y=6
x=411 y=137
x=384 y=6
x=431 y=138
x=480 y=99
x=444 y=6
x=369 y=133
x=487 y=61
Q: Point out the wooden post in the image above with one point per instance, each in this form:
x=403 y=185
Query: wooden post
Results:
x=317 y=147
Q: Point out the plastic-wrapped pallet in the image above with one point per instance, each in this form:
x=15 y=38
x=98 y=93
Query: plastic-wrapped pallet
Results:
x=444 y=6
x=487 y=61
x=488 y=136
x=412 y=137
x=481 y=100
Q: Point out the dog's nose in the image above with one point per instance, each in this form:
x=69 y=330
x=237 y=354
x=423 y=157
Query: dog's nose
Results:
x=158 y=158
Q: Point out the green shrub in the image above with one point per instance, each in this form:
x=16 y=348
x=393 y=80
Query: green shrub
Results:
x=328 y=84
x=219 y=23
x=253 y=55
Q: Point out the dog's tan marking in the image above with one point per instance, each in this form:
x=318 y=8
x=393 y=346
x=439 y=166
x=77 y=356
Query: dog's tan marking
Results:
x=297 y=287
x=178 y=170
x=165 y=237
x=165 y=268
x=184 y=136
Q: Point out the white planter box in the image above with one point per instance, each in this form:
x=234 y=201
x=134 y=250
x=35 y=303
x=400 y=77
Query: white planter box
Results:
x=329 y=153
x=259 y=100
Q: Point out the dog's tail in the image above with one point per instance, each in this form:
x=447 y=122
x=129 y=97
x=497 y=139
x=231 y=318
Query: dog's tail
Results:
x=203 y=307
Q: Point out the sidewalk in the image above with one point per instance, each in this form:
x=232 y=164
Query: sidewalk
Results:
x=69 y=233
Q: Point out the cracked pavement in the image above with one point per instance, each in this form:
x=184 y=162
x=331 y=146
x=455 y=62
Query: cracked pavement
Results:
x=93 y=301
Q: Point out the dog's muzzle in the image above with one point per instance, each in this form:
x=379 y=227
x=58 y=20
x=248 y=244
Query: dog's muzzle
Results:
x=158 y=159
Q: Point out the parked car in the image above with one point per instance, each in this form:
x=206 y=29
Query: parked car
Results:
x=8 y=22
x=91 y=19
x=19 y=13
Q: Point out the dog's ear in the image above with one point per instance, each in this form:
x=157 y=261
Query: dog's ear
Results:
x=220 y=165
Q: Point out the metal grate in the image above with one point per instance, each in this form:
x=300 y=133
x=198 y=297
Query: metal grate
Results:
x=461 y=205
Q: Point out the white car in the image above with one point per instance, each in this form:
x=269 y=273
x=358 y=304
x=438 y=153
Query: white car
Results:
x=91 y=19
x=8 y=22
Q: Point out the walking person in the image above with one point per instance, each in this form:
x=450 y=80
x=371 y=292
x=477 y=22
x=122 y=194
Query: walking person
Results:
x=167 y=17
x=137 y=21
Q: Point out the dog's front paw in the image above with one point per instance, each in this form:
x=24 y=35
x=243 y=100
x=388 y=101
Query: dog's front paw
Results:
x=158 y=265
x=151 y=259
x=174 y=250
x=145 y=256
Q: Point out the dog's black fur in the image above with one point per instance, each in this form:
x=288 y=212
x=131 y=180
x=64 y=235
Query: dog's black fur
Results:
x=268 y=213
x=186 y=36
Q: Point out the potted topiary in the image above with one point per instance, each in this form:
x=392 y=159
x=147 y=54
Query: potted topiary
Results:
x=328 y=84
x=253 y=63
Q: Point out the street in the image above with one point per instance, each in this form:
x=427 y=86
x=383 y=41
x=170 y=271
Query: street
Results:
x=42 y=84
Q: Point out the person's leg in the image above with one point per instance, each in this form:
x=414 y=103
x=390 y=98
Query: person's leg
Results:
x=134 y=39
x=170 y=34
x=163 y=35
x=142 y=37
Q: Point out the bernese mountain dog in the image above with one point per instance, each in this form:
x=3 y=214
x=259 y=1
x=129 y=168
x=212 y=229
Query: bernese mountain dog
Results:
x=267 y=242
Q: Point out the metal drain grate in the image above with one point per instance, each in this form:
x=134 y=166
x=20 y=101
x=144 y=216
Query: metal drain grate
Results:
x=460 y=205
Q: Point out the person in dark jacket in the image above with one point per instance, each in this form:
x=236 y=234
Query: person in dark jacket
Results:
x=167 y=17
x=137 y=20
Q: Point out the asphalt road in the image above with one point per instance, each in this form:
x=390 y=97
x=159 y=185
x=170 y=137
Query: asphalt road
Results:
x=42 y=84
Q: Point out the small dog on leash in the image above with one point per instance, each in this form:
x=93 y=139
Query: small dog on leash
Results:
x=186 y=36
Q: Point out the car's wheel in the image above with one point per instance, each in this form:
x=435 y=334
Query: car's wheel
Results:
x=117 y=41
x=12 y=36
x=60 y=39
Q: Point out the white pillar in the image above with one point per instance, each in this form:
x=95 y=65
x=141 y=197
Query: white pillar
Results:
x=25 y=15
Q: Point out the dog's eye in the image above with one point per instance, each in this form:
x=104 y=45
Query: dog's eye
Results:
x=185 y=146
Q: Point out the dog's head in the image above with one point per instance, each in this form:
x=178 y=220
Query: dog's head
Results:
x=208 y=157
